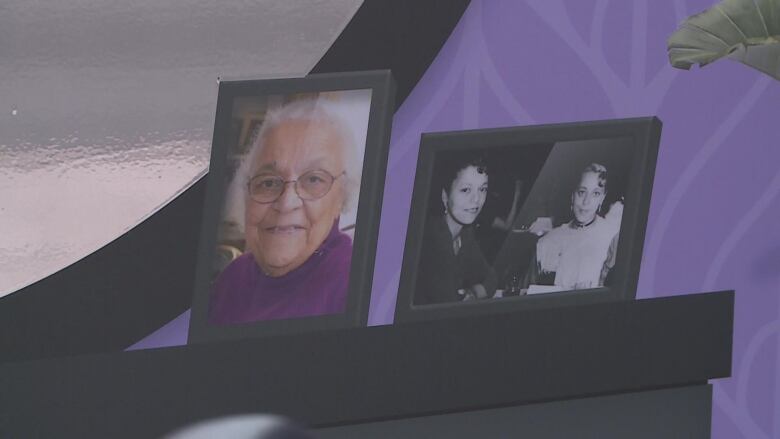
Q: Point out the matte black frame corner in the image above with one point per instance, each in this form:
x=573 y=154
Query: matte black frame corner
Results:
x=382 y=87
x=645 y=132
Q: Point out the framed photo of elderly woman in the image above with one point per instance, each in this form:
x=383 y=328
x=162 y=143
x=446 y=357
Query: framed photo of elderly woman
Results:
x=527 y=217
x=292 y=206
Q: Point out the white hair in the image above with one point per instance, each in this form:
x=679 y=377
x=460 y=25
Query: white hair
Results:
x=311 y=110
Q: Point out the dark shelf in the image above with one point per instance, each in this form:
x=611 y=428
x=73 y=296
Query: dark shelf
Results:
x=389 y=372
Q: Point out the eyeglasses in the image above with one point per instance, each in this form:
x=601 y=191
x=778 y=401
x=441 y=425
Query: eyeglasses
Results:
x=311 y=185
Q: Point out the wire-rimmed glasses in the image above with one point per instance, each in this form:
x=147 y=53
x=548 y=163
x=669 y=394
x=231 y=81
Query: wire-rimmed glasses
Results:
x=311 y=185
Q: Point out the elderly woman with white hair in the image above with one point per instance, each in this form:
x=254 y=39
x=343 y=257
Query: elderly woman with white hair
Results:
x=300 y=176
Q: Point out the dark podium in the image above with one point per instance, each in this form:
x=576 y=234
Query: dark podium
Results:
x=636 y=369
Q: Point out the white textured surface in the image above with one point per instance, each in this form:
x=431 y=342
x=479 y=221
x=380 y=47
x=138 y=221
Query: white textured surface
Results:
x=107 y=109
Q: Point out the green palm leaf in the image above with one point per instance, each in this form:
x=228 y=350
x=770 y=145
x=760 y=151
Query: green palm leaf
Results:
x=744 y=30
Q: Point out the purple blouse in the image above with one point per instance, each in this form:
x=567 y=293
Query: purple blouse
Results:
x=243 y=293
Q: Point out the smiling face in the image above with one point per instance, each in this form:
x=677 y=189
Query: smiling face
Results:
x=283 y=234
x=587 y=198
x=466 y=196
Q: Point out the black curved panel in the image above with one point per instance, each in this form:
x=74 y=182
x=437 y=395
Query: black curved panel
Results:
x=135 y=284
x=115 y=295
x=401 y=35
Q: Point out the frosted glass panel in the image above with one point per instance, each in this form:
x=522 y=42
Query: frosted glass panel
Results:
x=107 y=109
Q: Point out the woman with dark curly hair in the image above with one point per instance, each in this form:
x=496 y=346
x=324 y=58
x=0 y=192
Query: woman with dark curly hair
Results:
x=452 y=267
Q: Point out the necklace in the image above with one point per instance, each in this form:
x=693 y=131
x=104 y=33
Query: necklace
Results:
x=578 y=225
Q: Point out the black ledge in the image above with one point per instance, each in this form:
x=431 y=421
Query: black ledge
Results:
x=351 y=376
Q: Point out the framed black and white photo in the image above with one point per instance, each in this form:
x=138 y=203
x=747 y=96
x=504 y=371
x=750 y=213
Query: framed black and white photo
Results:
x=292 y=205
x=527 y=217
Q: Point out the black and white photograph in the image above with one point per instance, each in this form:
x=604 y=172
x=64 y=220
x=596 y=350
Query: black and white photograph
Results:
x=291 y=156
x=523 y=215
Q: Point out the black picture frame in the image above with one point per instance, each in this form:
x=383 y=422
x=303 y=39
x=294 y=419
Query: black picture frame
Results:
x=641 y=134
x=369 y=203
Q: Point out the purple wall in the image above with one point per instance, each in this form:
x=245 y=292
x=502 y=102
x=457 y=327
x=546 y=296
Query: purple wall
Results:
x=716 y=201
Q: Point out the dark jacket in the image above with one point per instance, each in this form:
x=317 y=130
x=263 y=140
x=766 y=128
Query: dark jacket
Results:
x=442 y=273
